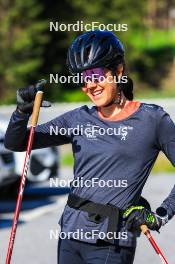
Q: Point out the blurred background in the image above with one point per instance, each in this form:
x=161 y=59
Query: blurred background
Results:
x=29 y=52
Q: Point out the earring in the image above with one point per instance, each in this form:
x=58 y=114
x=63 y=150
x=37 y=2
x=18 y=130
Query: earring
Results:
x=119 y=96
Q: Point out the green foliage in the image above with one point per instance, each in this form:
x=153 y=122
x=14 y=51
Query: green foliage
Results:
x=29 y=51
x=153 y=38
x=155 y=55
x=22 y=43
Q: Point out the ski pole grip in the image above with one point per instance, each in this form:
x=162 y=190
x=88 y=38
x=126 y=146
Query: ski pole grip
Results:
x=144 y=228
x=36 y=108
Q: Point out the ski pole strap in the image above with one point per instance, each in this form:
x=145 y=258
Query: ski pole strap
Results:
x=97 y=212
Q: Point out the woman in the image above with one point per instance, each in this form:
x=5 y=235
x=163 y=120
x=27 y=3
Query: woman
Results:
x=114 y=152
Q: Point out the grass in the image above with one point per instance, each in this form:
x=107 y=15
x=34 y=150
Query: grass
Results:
x=66 y=159
x=153 y=94
x=162 y=164
x=79 y=96
x=74 y=96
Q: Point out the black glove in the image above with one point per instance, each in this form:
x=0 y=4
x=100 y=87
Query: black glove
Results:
x=136 y=216
x=25 y=97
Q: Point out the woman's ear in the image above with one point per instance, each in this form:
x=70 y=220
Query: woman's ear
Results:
x=119 y=70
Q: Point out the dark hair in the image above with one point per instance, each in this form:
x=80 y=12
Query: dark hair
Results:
x=127 y=89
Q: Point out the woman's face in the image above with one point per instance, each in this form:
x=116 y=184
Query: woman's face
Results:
x=101 y=93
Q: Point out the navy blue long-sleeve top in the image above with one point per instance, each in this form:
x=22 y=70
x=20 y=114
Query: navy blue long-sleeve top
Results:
x=127 y=154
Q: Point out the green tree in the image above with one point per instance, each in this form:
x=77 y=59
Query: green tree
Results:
x=21 y=45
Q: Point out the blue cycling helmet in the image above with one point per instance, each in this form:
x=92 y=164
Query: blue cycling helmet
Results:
x=94 y=49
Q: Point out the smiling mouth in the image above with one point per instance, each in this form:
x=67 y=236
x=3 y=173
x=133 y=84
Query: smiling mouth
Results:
x=97 y=92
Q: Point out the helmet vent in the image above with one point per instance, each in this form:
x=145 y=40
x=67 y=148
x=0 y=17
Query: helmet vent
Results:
x=92 y=37
x=104 y=53
x=79 y=43
x=103 y=40
x=87 y=51
x=78 y=58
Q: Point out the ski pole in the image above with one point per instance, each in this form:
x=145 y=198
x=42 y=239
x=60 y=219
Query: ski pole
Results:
x=147 y=233
x=34 y=120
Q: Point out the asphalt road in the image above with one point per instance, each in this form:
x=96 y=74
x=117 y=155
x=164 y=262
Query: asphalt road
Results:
x=42 y=208
x=60 y=108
